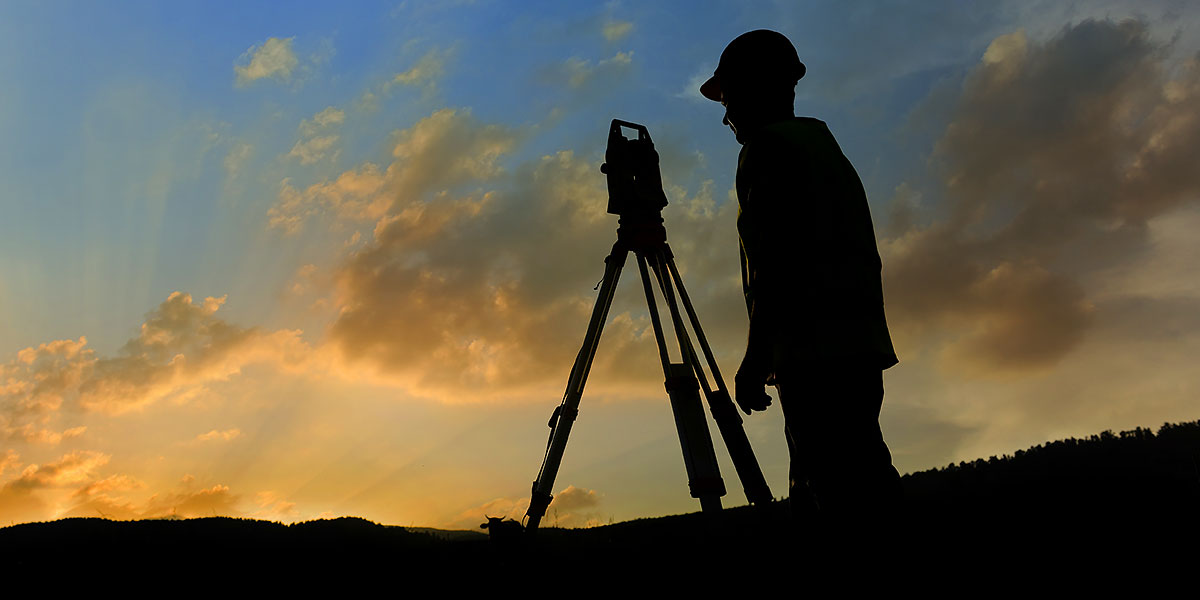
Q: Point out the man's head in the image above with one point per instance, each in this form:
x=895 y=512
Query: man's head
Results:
x=755 y=80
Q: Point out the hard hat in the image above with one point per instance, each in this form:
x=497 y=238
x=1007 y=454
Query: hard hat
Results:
x=755 y=56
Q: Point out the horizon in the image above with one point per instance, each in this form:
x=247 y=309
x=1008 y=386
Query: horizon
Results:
x=338 y=260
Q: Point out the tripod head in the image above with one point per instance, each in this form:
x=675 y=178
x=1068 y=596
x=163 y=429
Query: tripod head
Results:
x=634 y=183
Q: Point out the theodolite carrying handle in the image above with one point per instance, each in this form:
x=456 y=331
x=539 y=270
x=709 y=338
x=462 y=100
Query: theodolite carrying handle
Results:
x=634 y=181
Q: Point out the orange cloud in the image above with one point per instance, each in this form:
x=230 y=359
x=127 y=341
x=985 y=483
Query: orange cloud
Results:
x=566 y=510
x=108 y=498
x=574 y=498
x=205 y=502
x=33 y=435
x=474 y=282
x=11 y=460
x=442 y=151
x=215 y=435
x=181 y=347
x=21 y=499
x=273 y=507
x=70 y=469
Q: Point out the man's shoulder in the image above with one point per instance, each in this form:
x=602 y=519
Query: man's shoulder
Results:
x=798 y=135
x=797 y=131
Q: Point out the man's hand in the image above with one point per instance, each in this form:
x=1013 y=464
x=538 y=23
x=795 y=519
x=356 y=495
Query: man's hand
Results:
x=750 y=385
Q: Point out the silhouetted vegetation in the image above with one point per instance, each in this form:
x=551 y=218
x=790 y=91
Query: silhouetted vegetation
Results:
x=1132 y=475
x=1121 y=500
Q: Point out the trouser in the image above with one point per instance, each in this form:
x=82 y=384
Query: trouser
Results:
x=841 y=469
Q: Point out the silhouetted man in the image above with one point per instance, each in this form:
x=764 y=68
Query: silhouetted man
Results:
x=811 y=277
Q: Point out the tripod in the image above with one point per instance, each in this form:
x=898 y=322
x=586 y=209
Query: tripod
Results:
x=641 y=231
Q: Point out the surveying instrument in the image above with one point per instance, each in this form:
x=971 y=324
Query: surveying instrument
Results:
x=635 y=195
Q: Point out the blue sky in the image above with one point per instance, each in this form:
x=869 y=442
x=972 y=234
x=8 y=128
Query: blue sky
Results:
x=397 y=213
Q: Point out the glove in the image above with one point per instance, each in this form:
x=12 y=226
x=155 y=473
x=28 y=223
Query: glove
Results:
x=750 y=391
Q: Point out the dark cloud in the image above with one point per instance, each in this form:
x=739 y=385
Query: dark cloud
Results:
x=1056 y=156
x=1148 y=318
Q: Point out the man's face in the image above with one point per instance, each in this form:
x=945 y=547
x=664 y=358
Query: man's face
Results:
x=733 y=114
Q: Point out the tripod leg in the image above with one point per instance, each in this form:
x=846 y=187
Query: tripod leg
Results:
x=699 y=457
x=720 y=404
x=654 y=319
x=685 y=344
x=564 y=415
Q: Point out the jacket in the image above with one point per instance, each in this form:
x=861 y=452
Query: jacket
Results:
x=808 y=248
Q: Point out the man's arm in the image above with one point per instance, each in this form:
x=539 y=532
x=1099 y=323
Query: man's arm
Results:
x=763 y=225
x=757 y=366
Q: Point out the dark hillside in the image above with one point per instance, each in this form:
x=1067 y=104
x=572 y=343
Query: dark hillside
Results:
x=1128 y=499
x=1133 y=477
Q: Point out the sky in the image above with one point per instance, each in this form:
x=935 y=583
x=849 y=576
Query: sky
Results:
x=291 y=262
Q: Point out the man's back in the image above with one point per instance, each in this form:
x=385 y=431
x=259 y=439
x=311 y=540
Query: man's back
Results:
x=808 y=245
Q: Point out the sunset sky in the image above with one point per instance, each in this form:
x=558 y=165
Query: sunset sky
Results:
x=292 y=260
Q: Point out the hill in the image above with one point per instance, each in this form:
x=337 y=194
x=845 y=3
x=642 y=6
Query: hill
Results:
x=1127 y=498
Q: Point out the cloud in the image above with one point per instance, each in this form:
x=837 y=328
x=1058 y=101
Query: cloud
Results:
x=1056 y=155
x=475 y=282
x=72 y=468
x=502 y=508
x=314 y=149
x=691 y=89
x=582 y=76
x=316 y=140
x=426 y=71
x=273 y=59
x=73 y=486
x=305 y=278
x=415 y=305
x=34 y=435
x=327 y=117
x=353 y=195
x=443 y=151
x=20 y=499
x=236 y=158
x=566 y=510
x=181 y=347
x=616 y=30
x=10 y=460
x=108 y=498
x=112 y=483
x=574 y=498
x=219 y=436
x=204 y=502
x=272 y=506
x=368 y=102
